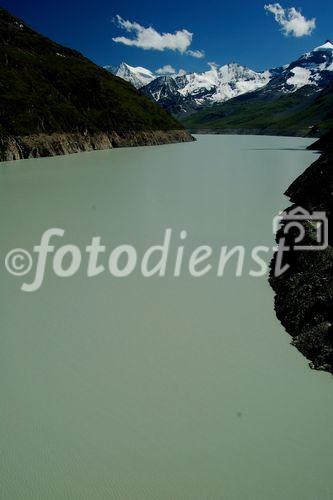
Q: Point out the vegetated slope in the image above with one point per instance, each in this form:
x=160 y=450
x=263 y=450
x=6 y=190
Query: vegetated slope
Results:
x=300 y=113
x=46 y=89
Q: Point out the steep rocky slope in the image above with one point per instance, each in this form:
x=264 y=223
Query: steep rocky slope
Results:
x=55 y=101
x=304 y=294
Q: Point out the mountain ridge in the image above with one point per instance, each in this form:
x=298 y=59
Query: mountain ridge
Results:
x=298 y=101
x=188 y=92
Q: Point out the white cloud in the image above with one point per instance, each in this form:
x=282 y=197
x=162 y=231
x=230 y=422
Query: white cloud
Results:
x=166 y=70
x=292 y=21
x=198 y=54
x=149 y=38
x=169 y=70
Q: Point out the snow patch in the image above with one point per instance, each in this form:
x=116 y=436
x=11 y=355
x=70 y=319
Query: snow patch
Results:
x=302 y=76
x=225 y=82
x=327 y=46
x=137 y=76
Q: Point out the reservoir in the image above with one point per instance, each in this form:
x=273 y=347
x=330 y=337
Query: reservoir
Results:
x=156 y=388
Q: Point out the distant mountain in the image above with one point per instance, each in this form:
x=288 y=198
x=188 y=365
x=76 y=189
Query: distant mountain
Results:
x=313 y=69
x=166 y=91
x=297 y=100
x=181 y=94
x=54 y=101
x=190 y=92
x=219 y=84
x=137 y=76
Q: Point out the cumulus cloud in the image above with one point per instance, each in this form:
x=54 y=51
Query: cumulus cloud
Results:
x=169 y=70
x=198 y=54
x=166 y=70
x=291 y=20
x=149 y=38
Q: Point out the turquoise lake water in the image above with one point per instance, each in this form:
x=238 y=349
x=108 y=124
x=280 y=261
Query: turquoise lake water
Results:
x=156 y=388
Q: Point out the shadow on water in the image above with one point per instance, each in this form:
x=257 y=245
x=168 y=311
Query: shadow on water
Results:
x=275 y=149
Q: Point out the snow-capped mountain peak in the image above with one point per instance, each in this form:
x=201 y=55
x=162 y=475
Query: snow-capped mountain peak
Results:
x=223 y=83
x=314 y=68
x=137 y=76
x=328 y=45
x=192 y=91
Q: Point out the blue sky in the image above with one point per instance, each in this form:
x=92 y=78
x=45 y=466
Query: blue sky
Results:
x=226 y=31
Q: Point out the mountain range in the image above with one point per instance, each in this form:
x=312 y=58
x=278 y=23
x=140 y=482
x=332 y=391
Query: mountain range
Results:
x=292 y=99
x=298 y=101
x=184 y=93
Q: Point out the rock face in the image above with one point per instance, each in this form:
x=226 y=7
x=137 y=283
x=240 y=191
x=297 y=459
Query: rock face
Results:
x=304 y=294
x=324 y=144
x=41 y=145
x=55 y=101
x=165 y=91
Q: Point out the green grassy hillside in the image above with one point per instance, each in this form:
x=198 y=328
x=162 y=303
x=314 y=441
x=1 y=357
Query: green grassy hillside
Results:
x=47 y=88
x=293 y=114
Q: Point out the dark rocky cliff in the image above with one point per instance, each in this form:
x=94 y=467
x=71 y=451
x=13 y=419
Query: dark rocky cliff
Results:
x=304 y=294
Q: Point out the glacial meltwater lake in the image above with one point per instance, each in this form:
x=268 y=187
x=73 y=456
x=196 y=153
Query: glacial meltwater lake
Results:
x=161 y=388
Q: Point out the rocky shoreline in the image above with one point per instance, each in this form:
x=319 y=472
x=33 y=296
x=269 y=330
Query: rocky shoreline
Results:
x=41 y=145
x=304 y=294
